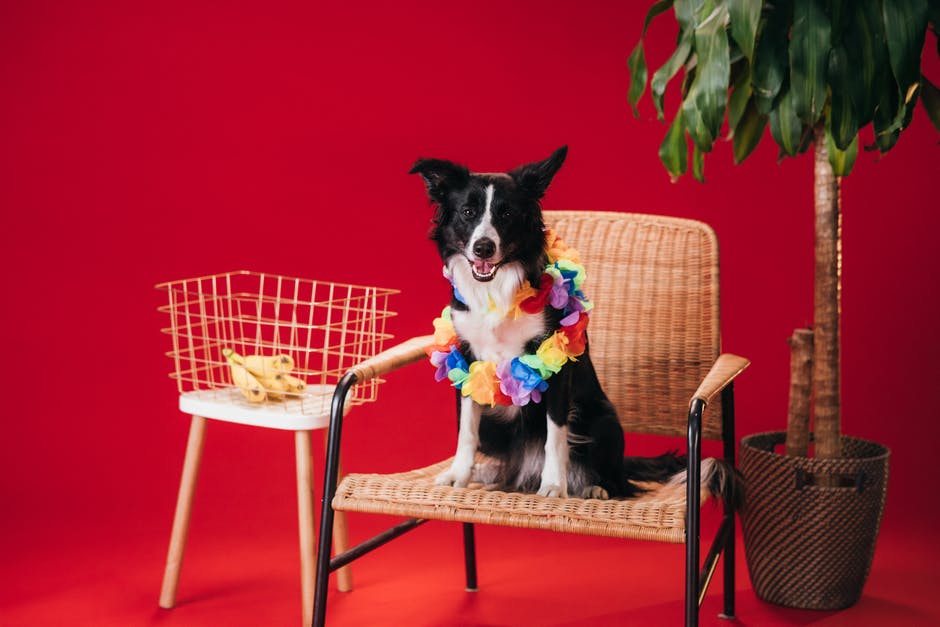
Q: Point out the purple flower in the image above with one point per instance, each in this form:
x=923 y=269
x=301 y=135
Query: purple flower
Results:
x=439 y=359
x=447 y=361
x=573 y=308
x=558 y=297
x=520 y=382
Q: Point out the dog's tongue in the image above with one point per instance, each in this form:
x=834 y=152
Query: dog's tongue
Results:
x=482 y=267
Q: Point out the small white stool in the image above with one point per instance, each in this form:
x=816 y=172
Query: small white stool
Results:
x=301 y=416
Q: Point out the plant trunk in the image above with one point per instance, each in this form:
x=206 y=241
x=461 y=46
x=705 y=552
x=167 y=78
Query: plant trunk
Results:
x=827 y=307
x=801 y=386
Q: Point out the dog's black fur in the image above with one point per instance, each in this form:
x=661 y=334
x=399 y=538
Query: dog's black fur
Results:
x=493 y=224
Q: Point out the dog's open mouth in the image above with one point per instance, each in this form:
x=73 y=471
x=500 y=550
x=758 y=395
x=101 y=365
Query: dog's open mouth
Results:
x=483 y=271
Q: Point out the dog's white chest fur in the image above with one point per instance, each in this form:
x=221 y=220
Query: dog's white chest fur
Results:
x=492 y=334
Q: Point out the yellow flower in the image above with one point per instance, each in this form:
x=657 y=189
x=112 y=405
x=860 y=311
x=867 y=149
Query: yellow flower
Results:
x=552 y=352
x=524 y=292
x=482 y=383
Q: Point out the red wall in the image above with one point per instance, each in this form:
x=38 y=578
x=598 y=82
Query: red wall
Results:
x=143 y=143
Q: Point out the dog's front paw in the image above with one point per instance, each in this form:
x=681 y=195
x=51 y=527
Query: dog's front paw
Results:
x=457 y=477
x=552 y=490
x=486 y=473
x=595 y=492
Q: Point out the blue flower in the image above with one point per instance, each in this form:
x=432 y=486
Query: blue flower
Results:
x=457 y=368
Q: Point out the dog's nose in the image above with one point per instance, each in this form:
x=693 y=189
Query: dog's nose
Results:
x=484 y=248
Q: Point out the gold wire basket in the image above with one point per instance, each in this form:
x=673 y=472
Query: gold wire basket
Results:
x=325 y=328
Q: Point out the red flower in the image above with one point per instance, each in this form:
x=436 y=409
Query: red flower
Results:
x=501 y=399
x=577 y=335
x=535 y=304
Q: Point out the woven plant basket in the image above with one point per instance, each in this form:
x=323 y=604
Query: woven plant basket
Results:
x=808 y=545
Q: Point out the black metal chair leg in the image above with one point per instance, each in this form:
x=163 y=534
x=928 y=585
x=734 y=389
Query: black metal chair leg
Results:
x=693 y=513
x=330 y=476
x=470 y=556
x=728 y=569
x=728 y=566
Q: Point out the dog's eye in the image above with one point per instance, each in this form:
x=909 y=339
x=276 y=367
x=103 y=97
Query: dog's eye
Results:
x=505 y=212
x=469 y=211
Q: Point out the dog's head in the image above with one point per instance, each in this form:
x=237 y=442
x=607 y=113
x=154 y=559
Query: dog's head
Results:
x=489 y=219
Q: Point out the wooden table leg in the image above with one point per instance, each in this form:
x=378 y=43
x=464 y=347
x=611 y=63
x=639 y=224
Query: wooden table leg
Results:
x=184 y=505
x=308 y=557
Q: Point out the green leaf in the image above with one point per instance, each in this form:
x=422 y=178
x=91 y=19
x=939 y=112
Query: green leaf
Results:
x=770 y=54
x=656 y=9
x=686 y=13
x=745 y=14
x=910 y=102
x=668 y=70
x=785 y=125
x=933 y=18
x=704 y=106
x=888 y=117
x=748 y=132
x=930 y=98
x=864 y=40
x=837 y=12
x=841 y=161
x=893 y=114
x=636 y=64
x=905 y=23
x=698 y=164
x=842 y=120
x=739 y=98
x=673 y=152
x=809 y=59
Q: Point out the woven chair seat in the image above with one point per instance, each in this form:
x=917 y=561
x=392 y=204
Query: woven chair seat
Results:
x=658 y=514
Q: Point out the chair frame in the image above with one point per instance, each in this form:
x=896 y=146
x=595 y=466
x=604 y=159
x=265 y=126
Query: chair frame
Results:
x=716 y=385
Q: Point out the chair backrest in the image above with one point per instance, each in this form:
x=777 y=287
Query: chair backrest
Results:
x=655 y=331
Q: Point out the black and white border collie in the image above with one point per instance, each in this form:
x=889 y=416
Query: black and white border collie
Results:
x=489 y=231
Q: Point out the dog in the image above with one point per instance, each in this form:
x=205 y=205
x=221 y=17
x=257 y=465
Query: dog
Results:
x=562 y=437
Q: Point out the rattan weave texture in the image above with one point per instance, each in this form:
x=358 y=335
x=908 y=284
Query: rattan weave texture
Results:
x=654 y=335
x=654 y=331
x=656 y=515
x=811 y=546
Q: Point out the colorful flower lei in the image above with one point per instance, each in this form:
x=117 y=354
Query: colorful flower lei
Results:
x=522 y=379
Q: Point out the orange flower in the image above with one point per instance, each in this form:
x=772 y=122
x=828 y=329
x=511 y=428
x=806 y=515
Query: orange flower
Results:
x=482 y=385
x=557 y=249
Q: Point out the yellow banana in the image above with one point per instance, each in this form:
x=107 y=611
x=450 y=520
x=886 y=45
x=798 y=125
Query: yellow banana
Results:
x=294 y=384
x=274 y=385
x=260 y=377
x=250 y=387
x=232 y=357
x=247 y=384
x=263 y=366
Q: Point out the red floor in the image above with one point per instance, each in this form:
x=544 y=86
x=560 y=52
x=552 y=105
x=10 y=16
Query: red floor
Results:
x=244 y=571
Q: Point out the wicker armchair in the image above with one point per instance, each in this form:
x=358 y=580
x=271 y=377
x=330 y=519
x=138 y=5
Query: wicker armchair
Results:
x=656 y=346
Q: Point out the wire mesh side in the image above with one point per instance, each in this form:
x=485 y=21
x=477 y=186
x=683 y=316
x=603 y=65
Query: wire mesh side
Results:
x=325 y=327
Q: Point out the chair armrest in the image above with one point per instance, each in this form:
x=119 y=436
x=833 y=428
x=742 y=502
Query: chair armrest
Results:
x=393 y=358
x=722 y=372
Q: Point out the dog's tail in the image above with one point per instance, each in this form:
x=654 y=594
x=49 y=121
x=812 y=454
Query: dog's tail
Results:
x=719 y=479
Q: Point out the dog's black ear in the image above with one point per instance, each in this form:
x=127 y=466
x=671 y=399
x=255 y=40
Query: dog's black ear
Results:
x=440 y=176
x=533 y=178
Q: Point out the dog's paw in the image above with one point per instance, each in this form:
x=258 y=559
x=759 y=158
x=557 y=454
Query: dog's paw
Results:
x=458 y=478
x=485 y=472
x=552 y=490
x=595 y=492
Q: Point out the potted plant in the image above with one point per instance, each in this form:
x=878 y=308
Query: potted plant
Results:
x=816 y=72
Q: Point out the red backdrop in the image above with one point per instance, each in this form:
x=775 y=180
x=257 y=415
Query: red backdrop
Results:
x=148 y=143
